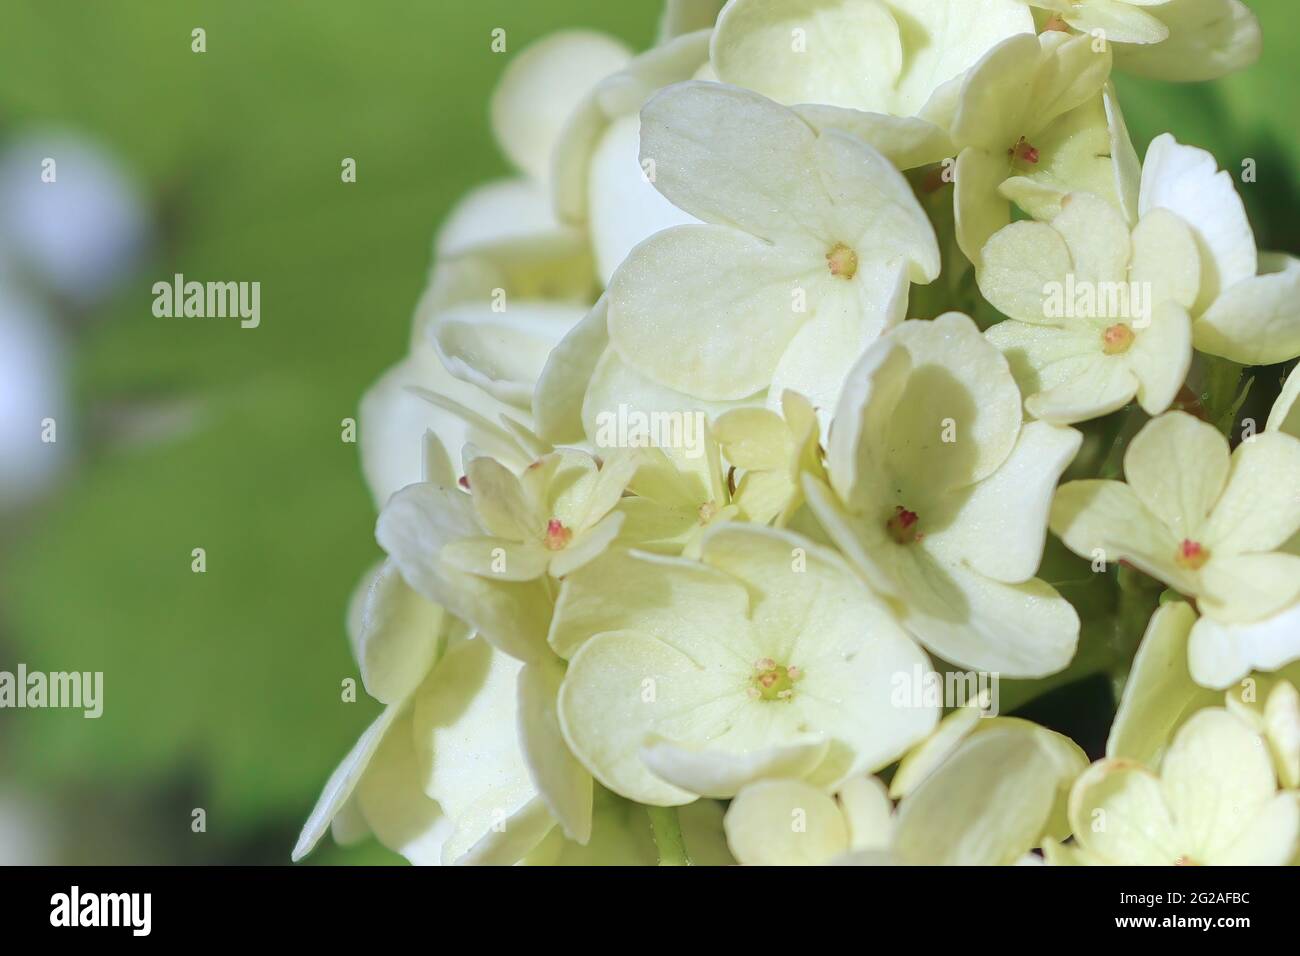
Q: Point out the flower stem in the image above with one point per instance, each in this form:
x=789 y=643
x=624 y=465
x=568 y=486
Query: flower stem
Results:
x=668 y=836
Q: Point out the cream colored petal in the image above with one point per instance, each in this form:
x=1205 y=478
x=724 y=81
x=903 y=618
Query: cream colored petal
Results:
x=1187 y=181
x=785 y=823
x=987 y=805
x=342 y=782
x=1243 y=588
x=732 y=157
x=1161 y=356
x=1256 y=321
x=563 y=783
x=562 y=384
x=1100 y=387
x=398 y=637
x=998 y=526
x=960 y=385
x=1106 y=521
x=1159 y=691
x=846 y=53
x=620 y=686
x=1285 y=416
x=720 y=773
x=906 y=141
x=541 y=85
x=1220 y=654
x=1271 y=838
x=1207 y=39
x=1118 y=815
x=723 y=283
x=1165 y=258
x=967 y=618
x=1022 y=265
x=929 y=754
x=1260 y=506
x=624 y=208
x=658 y=595
x=1097 y=237
x=395 y=808
x=1215 y=777
x=980 y=209
x=868 y=812
x=1178 y=466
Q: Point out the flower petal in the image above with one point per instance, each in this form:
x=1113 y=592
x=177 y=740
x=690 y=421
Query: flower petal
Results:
x=1178 y=466
x=844 y=53
x=562 y=782
x=541 y=86
x=999 y=525
x=1221 y=654
x=1107 y=521
x=785 y=823
x=1159 y=691
x=1256 y=321
x=1260 y=506
x=1187 y=181
x=1207 y=39
x=733 y=157
x=1165 y=258
x=1118 y=815
x=1215 y=777
x=398 y=638
x=723 y=283
x=1020 y=265
x=1161 y=356
x=719 y=773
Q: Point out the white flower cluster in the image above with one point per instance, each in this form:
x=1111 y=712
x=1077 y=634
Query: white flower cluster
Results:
x=746 y=406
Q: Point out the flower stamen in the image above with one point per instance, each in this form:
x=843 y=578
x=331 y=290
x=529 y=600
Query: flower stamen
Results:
x=1191 y=555
x=557 y=535
x=1117 y=339
x=902 y=527
x=1023 y=152
x=773 y=681
x=843 y=261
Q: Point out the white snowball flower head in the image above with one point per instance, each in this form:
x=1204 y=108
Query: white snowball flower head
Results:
x=1099 y=316
x=940 y=497
x=809 y=244
x=765 y=659
x=1205 y=522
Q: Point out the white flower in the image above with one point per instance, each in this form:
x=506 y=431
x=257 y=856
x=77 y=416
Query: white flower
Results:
x=1215 y=801
x=1204 y=522
x=1097 y=317
x=1034 y=123
x=768 y=659
x=941 y=497
x=804 y=270
x=1248 y=307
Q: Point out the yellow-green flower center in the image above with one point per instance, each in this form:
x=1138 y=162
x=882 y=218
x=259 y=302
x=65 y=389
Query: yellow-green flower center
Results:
x=1117 y=339
x=773 y=681
x=843 y=261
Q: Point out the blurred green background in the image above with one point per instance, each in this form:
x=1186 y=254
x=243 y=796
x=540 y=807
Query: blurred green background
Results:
x=222 y=690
